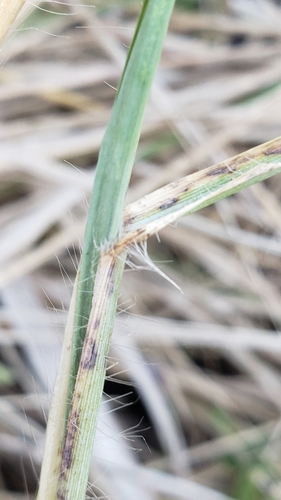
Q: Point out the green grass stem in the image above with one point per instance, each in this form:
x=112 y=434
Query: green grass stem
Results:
x=66 y=460
x=117 y=155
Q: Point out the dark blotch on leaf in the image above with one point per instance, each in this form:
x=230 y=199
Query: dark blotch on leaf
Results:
x=90 y=358
x=111 y=269
x=168 y=204
x=131 y=219
x=276 y=151
x=219 y=171
x=68 y=445
x=96 y=324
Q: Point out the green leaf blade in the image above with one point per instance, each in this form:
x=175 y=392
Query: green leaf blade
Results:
x=117 y=155
x=196 y=191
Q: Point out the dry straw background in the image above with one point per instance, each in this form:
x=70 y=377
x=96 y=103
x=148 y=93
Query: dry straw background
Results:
x=193 y=396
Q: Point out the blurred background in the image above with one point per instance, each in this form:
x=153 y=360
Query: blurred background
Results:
x=192 y=399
